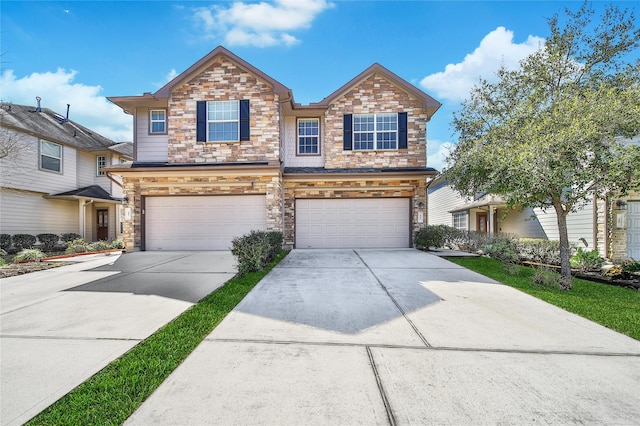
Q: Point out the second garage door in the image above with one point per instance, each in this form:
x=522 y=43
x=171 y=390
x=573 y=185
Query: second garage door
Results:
x=201 y=222
x=353 y=223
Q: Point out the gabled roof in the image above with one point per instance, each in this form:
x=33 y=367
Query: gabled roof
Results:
x=49 y=125
x=123 y=148
x=203 y=63
x=430 y=104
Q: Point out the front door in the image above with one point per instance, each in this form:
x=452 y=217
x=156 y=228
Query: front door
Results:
x=482 y=222
x=103 y=225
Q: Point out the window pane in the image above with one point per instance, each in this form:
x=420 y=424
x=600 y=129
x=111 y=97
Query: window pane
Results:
x=157 y=127
x=223 y=131
x=157 y=115
x=51 y=149
x=50 y=163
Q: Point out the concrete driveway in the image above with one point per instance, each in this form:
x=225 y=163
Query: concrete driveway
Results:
x=398 y=337
x=59 y=327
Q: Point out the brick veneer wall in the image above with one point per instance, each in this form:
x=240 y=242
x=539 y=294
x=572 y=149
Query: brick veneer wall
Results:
x=375 y=95
x=222 y=81
x=136 y=187
x=414 y=188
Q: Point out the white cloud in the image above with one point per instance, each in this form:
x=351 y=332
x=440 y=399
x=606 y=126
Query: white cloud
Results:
x=495 y=49
x=259 y=24
x=57 y=89
x=437 y=152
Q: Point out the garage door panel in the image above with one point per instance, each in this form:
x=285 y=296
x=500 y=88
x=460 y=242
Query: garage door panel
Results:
x=352 y=223
x=201 y=222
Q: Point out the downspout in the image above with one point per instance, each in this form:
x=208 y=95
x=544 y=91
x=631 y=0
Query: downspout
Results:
x=594 y=229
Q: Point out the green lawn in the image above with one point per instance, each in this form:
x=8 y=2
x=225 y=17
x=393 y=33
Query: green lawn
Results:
x=115 y=392
x=615 y=307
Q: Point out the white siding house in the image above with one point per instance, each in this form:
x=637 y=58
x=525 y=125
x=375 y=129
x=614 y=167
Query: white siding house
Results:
x=51 y=181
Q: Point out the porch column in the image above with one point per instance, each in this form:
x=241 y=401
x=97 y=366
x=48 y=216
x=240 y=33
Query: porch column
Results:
x=82 y=217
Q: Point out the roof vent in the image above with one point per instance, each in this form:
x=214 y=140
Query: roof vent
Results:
x=38 y=99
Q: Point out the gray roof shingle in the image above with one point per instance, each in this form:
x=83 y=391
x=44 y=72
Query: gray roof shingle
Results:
x=48 y=124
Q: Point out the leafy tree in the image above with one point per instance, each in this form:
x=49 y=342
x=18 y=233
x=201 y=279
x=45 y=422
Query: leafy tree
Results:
x=549 y=133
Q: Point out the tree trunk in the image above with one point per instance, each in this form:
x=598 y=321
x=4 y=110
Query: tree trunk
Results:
x=566 y=280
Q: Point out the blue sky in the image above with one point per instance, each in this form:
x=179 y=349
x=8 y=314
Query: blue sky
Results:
x=80 y=52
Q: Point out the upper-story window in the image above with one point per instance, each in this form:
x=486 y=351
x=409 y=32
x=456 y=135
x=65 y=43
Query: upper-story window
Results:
x=375 y=131
x=50 y=156
x=308 y=136
x=158 y=121
x=222 y=121
x=101 y=162
x=369 y=132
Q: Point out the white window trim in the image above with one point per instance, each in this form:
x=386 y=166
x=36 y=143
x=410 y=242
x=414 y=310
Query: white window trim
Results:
x=463 y=217
x=298 y=136
x=151 y=121
x=375 y=132
x=237 y=121
x=99 y=171
x=43 y=154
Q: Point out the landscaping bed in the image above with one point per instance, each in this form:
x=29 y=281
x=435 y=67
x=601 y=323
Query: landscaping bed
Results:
x=15 y=269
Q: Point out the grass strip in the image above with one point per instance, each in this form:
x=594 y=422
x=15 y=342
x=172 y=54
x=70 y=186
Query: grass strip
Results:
x=110 y=396
x=614 y=307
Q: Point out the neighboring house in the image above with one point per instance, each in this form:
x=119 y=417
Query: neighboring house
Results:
x=611 y=225
x=53 y=178
x=223 y=149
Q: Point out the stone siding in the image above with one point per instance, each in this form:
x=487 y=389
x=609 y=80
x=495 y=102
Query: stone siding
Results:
x=375 y=95
x=414 y=188
x=222 y=81
x=618 y=236
x=137 y=187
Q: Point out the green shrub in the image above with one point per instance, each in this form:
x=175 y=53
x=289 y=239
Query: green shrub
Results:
x=587 y=260
x=431 y=236
x=99 y=246
x=631 y=266
x=255 y=250
x=2 y=261
x=23 y=241
x=5 y=241
x=546 y=278
x=70 y=236
x=27 y=255
x=539 y=250
x=77 y=246
x=48 y=241
x=502 y=248
x=116 y=244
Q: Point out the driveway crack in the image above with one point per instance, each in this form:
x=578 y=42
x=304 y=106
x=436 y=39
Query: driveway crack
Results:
x=383 y=393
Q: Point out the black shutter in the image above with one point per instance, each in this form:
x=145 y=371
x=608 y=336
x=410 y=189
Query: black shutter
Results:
x=201 y=117
x=347 y=134
x=402 y=130
x=244 y=120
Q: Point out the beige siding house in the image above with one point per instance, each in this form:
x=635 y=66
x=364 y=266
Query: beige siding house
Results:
x=223 y=149
x=52 y=179
x=611 y=225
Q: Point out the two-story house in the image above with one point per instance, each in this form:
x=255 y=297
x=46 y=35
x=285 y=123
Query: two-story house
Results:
x=53 y=178
x=223 y=149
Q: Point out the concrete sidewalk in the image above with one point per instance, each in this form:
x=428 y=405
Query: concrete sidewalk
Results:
x=60 y=326
x=398 y=337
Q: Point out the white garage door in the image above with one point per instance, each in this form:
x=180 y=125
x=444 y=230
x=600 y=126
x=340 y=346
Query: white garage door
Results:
x=633 y=229
x=201 y=222
x=352 y=223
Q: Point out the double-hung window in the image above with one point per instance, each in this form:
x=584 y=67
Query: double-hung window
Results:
x=368 y=132
x=158 y=121
x=50 y=156
x=460 y=220
x=375 y=131
x=101 y=161
x=223 y=121
x=308 y=136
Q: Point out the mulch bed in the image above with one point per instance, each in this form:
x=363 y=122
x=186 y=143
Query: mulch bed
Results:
x=15 y=269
